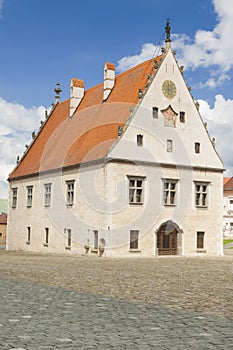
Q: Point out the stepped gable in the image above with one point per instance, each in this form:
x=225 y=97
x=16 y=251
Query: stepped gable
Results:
x=91 y=131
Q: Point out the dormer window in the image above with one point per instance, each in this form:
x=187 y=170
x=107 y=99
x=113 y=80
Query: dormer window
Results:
x=197 y=147
x=155 y=112
x=139 y=140
x=182 y=117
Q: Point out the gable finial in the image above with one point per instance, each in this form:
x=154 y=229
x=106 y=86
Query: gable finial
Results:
x=168 y=33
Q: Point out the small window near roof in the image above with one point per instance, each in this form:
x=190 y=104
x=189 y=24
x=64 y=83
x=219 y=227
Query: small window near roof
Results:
x=139 y=140
x=155 y=112
x=182 y=117
x=197 y=147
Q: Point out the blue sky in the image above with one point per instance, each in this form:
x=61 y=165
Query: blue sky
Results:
x=48 y=41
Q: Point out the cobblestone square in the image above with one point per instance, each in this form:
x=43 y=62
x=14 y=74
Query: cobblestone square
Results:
x=66 y=302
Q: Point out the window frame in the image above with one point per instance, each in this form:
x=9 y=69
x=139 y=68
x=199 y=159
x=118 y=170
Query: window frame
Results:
x=47 y=194
x=68 y=234
x=170 y=193
x=29 y=196
x=201 y=195
x=134 y=240
x=155 y=112
x=139 y=140
x=14 y=197
x=136 y=191
x=182 y=117
x=169 y=146
x=200 y=243
x=70 y=193
x=197 y=147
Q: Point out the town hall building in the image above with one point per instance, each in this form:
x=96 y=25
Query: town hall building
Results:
x=125 y=168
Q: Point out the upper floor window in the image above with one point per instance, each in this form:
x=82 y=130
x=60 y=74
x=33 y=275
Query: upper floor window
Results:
x=47 y=194
x=169 y=192
x=197 y=147
x=70 y=193
x=169 y=146
x=201 y=194
x=182 y=117
x=155 y=112
x=136 y=190
x=139 y=140
x=14 y=197
x=29 y=196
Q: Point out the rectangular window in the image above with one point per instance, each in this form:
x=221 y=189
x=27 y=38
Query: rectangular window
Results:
x=197 y=147
x=139 y=140
x=96 y=239
x=46 y=236
x=29 y=196
x=169 y=192
x=200 y=240
x=28 y=235
x=231 y=204
x=134 y=239
x=155 y=112
x=47 y=194
x=169 y=146
x=67 y=232
x=136 y=190
x=69 y=193
x=14 y=197
x=182 y=117
x=201 y=194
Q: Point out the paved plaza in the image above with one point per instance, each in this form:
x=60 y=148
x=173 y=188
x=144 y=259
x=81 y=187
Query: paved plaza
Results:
x=64 y=302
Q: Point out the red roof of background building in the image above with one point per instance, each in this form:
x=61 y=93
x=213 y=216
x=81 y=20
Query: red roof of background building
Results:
x=228 y=186
x=3 y=219
x=92 y=130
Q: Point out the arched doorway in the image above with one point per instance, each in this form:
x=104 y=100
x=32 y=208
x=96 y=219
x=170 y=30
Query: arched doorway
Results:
x=167 y=238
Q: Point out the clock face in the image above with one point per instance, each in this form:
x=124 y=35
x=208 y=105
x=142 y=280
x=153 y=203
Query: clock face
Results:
x=169 y=89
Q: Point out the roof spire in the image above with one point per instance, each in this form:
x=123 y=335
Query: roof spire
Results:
x=58 y=90
x=168 y=34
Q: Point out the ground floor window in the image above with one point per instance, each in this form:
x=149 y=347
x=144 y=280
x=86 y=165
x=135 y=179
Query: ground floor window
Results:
x=67 y=232
x=134 y=239
x=200 y=240
x=46 y=236
x=28 y=235
x=96 y=239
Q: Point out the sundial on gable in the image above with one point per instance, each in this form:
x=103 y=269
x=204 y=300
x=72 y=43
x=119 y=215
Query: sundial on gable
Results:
x=169 y=116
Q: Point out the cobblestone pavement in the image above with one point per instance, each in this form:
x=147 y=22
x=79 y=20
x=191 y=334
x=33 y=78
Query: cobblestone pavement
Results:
x=60 y=302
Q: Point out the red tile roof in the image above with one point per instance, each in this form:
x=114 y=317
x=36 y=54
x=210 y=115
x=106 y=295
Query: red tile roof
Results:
x=228 y=185
x=225 y=180
x=3 y=219
x=87 y=136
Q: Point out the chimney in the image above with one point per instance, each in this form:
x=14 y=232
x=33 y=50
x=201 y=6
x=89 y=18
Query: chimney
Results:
x=109 y=78
x=76 y=94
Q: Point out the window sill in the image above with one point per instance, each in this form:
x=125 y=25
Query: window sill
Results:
x=169 y=205
x=94 y=250
x=47 y=205
x=68 y=248
x=201 y=250
x=135 y=203
x=28 y=242
x=201 y=207
x=135 y=250
x=69 y=205
x=45 y=245
x=29 y=206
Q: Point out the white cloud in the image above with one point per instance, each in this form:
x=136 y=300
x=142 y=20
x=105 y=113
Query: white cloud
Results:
x=16 y=126
x=148 y=51
x=209 y=49
x=219 y=122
